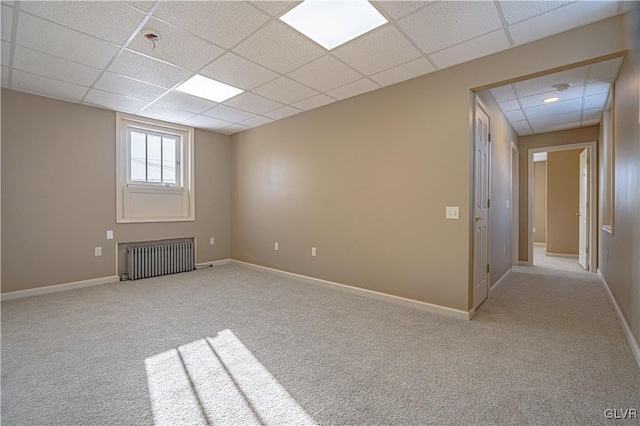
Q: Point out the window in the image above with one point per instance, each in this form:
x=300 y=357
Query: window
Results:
x=154 y=171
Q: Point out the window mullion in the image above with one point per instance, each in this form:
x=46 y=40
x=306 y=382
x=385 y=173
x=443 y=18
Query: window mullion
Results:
x=146 y=157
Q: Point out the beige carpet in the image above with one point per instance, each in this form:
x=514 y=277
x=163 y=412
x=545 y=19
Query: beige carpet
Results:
x=234 y=346
x=540 y=258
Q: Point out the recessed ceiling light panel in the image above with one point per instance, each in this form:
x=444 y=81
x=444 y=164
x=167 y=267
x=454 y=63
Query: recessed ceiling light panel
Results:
x=207 y=88
x=550 y=100
x=332 y=23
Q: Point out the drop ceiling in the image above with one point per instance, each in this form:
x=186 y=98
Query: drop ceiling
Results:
x=94 y=53
x=581 y=104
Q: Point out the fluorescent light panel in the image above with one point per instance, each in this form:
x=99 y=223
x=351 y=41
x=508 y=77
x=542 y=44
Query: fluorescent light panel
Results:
x=550 y=100
x=207 y=88
x=332 y=23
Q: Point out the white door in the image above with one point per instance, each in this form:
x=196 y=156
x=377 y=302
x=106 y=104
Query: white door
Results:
x=583 y=250
x=481 y=207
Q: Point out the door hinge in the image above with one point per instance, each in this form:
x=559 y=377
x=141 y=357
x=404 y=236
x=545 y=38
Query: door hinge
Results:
x=587 y=251
x=488 y=268
x=489 y=137
x=489 y=203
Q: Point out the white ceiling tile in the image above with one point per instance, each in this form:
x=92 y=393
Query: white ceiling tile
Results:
x=6 y=20
x=121 y=85
x=47 y=86
x=325 y=74
x=516 y=11
x=563 y=19
x=591 y=122
x=377 y=51
x=108 y=20
x=283 y=112
x=225 y=23
x=266 y=48
x=445 y=24
x=556 y=127
x=186 y=102
x=55 y=40
x=398 y=9
x=5 y=77
x=353 y=89
x=591 y=114
x=253 y=103
x=227 y=113
x=509 y=105
x=54 y=67
x=597 y=88
x=555 y=108
x=520 y=125
x=145 y=6
x=574 y=92
x=524 y=132
x=403 y=72
x=471 y=49
x=314 y=102
x=114 y=102
x=204 y=122
x=235 y=128
x=595 y=101
x=275 y=8
x=176 y=46
x=576 y=77
x=257 y=121
x=605 y=71
x=515 y=115
x=238 y=72
x=149 y=70
x=503 y=93
x=553 y=120
x=166 y=113
x=285 y=90
x=5 y=52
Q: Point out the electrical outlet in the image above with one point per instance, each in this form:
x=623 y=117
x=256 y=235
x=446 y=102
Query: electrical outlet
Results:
x=275 y=246
x=452 y=213
x=212 y=241
x=534 y=229
x=98 y=251
x=313 y=251
x=504 y=249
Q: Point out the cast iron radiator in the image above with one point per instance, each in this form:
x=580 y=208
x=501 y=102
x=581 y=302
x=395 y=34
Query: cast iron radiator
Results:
x=161 y=259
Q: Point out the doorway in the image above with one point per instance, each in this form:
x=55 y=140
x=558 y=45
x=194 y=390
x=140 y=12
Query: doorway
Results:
x=561 y=186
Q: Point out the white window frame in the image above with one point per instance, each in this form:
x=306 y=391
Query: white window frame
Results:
x=178 y=156
x=139 y=202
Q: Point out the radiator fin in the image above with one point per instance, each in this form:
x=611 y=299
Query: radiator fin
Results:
x=161 y=259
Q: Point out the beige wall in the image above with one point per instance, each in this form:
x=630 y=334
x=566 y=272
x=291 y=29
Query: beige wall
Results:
x=563 y=201
x=563 y=137
x=366 y=180
x=540 y=202
x=620 y=253
x=58 y=194
x=502 y=134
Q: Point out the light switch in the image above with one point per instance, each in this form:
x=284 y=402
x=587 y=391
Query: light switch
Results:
x=109 y=234
x=452 y=213
x=275 y=246
x=212 y=241
x=313 y=251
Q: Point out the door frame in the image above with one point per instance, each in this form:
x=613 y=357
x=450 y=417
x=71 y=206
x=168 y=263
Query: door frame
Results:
x=515 y=204
x=479 y=104
x=593 y=198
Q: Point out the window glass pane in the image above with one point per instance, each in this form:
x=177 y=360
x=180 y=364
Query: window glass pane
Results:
x=169 y=160
x=138 y=157
x=153 y=158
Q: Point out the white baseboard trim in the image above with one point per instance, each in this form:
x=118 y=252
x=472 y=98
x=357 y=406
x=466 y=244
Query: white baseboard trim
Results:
x=214 y=263
x=58 y=287
x=635 y=348
x=525 y=263
x=572 y=256
x=429 y=307
x=500 y=281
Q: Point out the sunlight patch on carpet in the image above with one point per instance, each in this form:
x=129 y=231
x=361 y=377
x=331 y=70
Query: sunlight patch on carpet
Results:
x=217 y=381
